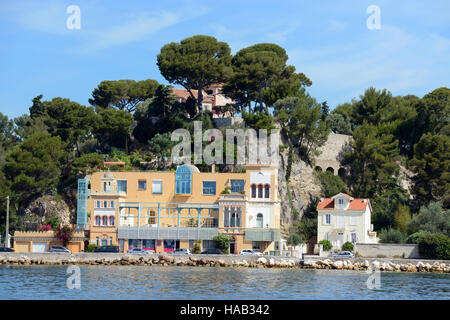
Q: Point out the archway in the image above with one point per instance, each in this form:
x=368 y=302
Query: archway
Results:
x=318 y=168
x=330 y=169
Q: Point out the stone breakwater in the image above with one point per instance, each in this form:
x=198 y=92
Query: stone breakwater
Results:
x=393 y=266
x=220 y=261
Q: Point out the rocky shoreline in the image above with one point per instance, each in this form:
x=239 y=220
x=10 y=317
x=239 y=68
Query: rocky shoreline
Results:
x=222 y=261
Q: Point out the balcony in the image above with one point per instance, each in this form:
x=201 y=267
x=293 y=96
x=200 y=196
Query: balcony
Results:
x=109 y=193
x=262 y=234
x=233 y=197
x=167 y=233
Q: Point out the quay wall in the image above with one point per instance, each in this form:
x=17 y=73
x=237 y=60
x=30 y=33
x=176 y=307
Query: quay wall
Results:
x=395 y=265
x=387 y=250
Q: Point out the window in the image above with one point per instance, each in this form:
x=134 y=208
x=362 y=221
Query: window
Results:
x=253 y=191
x=152 y=219
x=266 y=191
x=259 y=221
x=122 y=185
x=111 y=204
x=260 y=191
x=104 y=241
x=97 y=204
x=237 y=185
x=183 y=180
x=96 y=241
x=354 y=238
x=352 y=221
x=327 y=219
x=110 y=241
x=105 y=204
x=341 y=222
x=97 y=220
x=341 y=203
x=157 y=187
x=209 y=188
x=111 y=220
x=142 y=184
x=105 y=220
x=256 y=245
x=191 y=244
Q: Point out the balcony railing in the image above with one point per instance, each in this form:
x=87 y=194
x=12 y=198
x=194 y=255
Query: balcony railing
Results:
x=167 y=233
x=262 y=234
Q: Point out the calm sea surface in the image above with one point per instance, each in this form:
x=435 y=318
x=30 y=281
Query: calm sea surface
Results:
x=143 y=282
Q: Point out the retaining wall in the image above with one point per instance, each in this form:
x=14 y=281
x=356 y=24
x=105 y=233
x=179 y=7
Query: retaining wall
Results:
x=388 y=250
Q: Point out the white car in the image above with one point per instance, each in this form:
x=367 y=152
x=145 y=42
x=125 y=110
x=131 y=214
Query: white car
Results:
x=250 y=252
x=343 y=254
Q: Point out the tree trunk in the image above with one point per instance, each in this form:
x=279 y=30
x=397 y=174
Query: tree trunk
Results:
x=200 y=100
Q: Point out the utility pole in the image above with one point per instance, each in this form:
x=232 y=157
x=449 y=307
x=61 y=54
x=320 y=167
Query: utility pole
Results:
x=7 y=223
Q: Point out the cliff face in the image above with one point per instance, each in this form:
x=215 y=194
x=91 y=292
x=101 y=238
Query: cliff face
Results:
x=303 y=187
x=47 y=207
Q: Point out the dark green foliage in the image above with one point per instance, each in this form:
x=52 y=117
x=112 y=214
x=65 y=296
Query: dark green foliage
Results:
x=385 y=204
x=160 y=146
x=431 y=163
x=391 y=236
x=307 y=226
x=347 y=246
x=401 y=217
x=123 y=94
x=258 y=121
x=339 y=124
x=435 y=246
x=326 y=245
x=331 y=184
x=222 y=242
x=87 y=164
x=34 y=166
x=415 y=237
x=112 y=128
x=91 y=247
x=371 y=161
x=431 y=218
x=300 y=118
x=195 y=63
x=294 y=240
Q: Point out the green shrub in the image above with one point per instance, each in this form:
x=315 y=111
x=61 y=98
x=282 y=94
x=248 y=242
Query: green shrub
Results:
x=435 y=246
x=222 y=242
x=348 y=246
x=415 y=237
x=331 y=184
x=91 y=247
x=326 y=245
x=391 y=236
x=196 y=249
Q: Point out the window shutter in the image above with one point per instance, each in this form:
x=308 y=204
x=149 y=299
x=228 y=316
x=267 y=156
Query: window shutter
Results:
x=324 y=219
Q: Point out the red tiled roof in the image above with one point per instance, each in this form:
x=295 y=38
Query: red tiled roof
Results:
x=355 y=204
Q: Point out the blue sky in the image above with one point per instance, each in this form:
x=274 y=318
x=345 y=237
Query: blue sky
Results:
x=327 y=40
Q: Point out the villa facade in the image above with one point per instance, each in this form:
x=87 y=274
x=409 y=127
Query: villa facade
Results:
x=163 y=211
x=343 y=218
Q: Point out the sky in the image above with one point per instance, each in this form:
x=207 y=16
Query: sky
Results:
x=327 y=40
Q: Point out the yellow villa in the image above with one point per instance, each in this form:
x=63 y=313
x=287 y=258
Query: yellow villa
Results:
x=163 y=211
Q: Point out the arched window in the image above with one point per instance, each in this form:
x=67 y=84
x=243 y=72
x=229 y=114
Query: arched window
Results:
x=97 y=220
x=266 y=191
x=183 y=179
x=105 y=220
x=97 y=241
x=260 y=191
x=111 y=220
x=253 y=191
x=259 y=220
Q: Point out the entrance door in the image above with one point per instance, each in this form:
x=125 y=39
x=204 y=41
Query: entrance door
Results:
x=340 y=239
x=233 y=246
x=39 y=247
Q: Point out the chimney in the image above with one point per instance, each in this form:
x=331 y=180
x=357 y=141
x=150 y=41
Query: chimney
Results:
x=322 y=199
x=365 y=200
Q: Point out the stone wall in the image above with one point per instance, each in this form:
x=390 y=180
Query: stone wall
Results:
x=388 y=250
x=331 y=152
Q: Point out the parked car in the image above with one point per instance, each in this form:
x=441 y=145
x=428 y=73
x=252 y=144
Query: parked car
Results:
x=212 y=251
x=250 y=252
x=343 y=254
x=180 y=251
x=138 y=251
x=59 y=249
x=3 y=249
x=108 y=249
